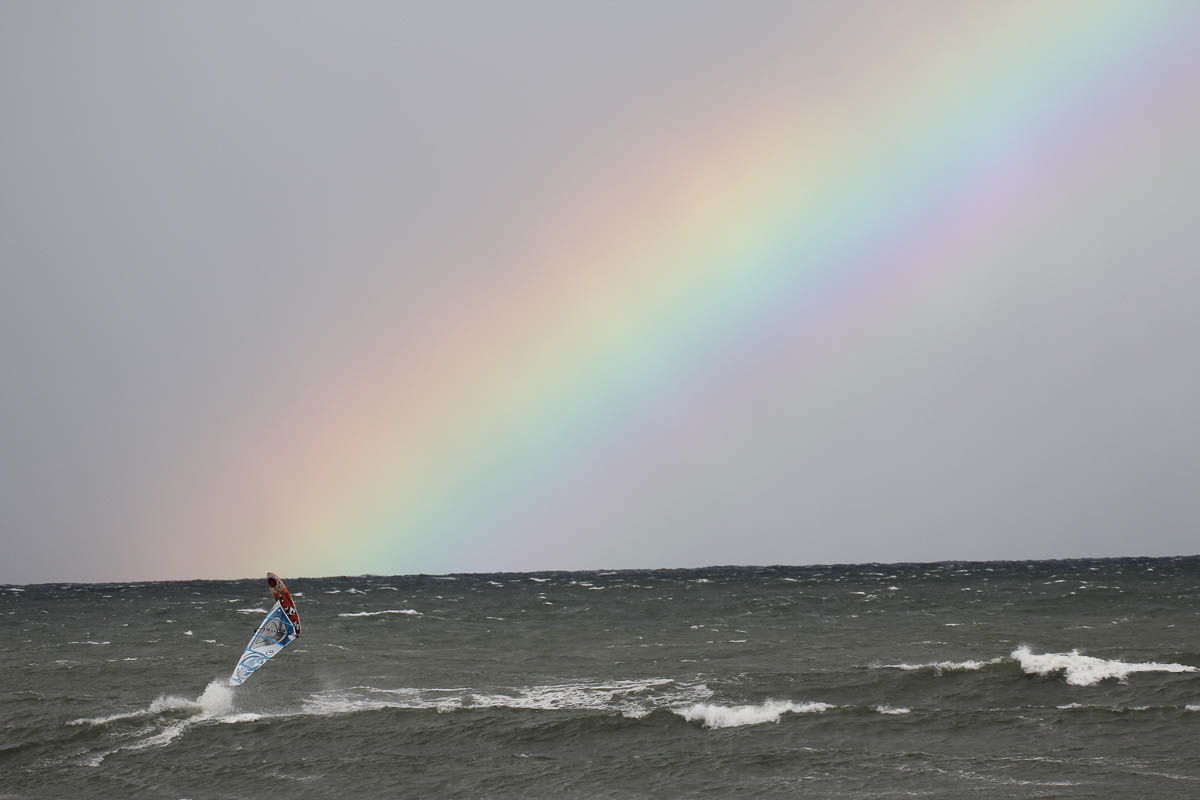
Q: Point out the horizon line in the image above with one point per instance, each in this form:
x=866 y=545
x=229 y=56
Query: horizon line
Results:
x=617 y=570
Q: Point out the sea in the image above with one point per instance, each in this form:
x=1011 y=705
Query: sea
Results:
x=1038 y=679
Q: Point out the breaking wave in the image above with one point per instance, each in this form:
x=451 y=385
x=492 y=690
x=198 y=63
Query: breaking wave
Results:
x=630 y=698
x=712 y=715
x=941 y=667
x=893 y=710
x=1081 y=670
x=164 y=720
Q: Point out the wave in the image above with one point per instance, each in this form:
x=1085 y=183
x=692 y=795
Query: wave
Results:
x=96 y=721
x=164 y=720
x=630 y=698
x=409 y=611
x=1123 y=709
x=893 y=710
x=214 y=702
x=941 y=667
x=712 y=715
x=1081 y=670
x=1076 y=668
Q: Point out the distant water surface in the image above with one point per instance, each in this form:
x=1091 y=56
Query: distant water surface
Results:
x=1064 y=679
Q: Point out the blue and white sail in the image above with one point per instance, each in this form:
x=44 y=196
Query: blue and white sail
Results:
x=275 y=633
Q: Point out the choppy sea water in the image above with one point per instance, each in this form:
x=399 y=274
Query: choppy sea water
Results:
x=1056 y=679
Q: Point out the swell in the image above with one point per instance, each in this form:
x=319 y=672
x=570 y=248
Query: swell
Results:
x=1074 y=667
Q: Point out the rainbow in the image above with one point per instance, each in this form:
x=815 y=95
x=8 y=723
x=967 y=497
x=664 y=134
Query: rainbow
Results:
x=787 y=217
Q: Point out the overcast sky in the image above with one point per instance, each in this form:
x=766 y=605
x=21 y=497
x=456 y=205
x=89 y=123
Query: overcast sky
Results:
x=201 y=201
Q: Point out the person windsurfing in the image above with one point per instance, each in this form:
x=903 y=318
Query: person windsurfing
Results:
x=279 y=628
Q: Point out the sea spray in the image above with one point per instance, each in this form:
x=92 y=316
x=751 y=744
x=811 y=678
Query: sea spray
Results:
x=217 y=698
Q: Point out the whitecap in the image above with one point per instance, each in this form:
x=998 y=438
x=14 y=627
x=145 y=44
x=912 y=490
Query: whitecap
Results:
x=409 y=611
x=214 y=705
x=712 y=715
x=1081 y=670
x=940 y=667
x=630 y=698
x=108 y=719
x=893 y=710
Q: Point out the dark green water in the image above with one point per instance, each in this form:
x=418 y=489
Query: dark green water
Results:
x=992 y=680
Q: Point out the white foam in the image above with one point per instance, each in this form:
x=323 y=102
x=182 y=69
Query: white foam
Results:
x=251 y=610
x=216 y=699
x=1192 y=708
x=940 y=667
x=410 y=611
x=172 y=702
x=110 y=718
x=631 y=698
x=214 y=705
x=712 y=715
x=1081 y=670
x=893 y=710
x=618 y=695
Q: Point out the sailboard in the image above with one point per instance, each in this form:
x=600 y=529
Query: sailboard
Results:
x=279 y=628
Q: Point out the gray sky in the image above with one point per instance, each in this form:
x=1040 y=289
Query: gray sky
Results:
x=205 y=207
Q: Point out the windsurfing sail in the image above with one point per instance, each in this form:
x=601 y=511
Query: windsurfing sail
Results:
x=279 y=628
